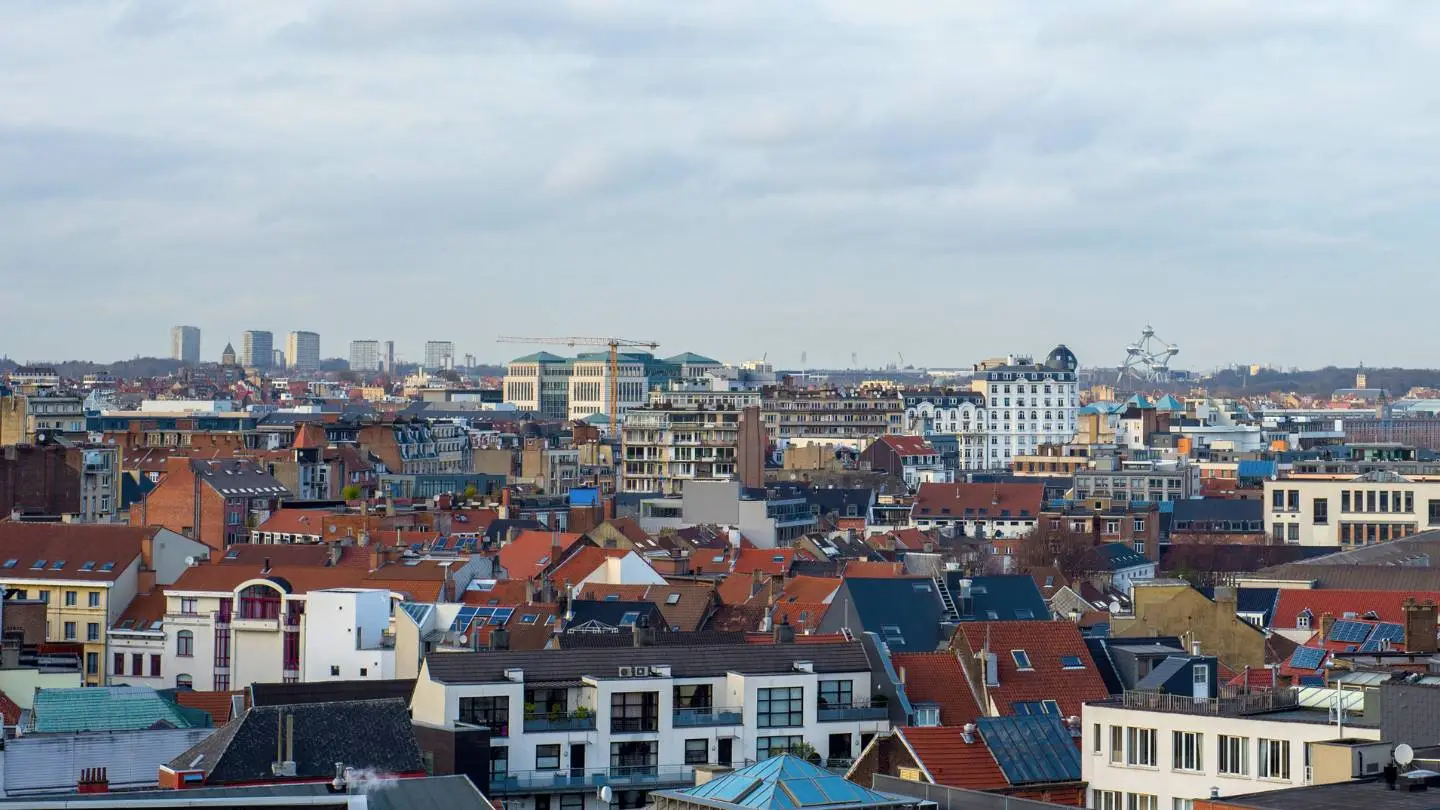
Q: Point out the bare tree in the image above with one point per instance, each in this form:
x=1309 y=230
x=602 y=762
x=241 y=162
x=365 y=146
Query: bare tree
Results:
x=1070 y=552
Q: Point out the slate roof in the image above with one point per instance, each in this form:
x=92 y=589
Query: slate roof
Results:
x=597 y=615
x=237 y=478
x=784 y=783
x=1119 y=556
x=937 y=677
x=109 y=708
x=418 y=793
x=1045 y=644
x=904 y=612
x=1219 y=509
x=694 y=661
x=684 y=605
x=1163 y=672
x=1005 y=596
x=374 y=734
x=286 y=694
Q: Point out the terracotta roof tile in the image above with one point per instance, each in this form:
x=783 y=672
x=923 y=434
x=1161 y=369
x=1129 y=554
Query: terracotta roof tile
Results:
x=532 y=551
x=951 y=761
x=629 y=529
x=215 y=704
x=909 y=445
x=740 y=589
x=583 y=562
x=961 y=501
x=684 y=605
x=36 y=548
x=1387 y=605
x=805 y=617
x=776 y=561
x=10 y=710
x=937 y=677
x=1044 y=644
x=143 y=610
x=500 y=592
x=810 y=589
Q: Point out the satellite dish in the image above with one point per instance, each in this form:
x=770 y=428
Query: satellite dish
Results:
x=606 y=793
x=1404 y=754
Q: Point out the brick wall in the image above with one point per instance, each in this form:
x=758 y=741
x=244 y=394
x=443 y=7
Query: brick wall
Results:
x=39 y=479
x=172 y=504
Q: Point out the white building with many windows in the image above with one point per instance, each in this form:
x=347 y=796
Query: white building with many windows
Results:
x=1349 y=511
x=1152 y=751
x=642 y=718
x=1029 y=404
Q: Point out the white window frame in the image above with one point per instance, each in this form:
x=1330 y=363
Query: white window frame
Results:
x=1187 y=751
x=1228 y=750
x=1140 y=747
x=1272 y=759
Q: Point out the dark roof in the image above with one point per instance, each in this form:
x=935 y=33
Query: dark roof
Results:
x=237 y=477
x=455 y=792
x=286 y=694
x=905 y=612
x=711 y=660
x=1368 y=793
x=373 y=734
x=664 y=638
x=1100 y=652
x=605 y=613
x=1007 y=596
x=1118 y=556
x=499 y=528
x=1032 y=748
x=1163 y=672
x=1213 y=509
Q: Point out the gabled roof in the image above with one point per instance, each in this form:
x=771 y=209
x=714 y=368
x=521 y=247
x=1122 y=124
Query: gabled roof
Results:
x=784 y=783
x=693 y=359
x=950 y=760
x=1031 y=750
x=364 y=734
x=908 y=445
x=938 y=678
x=531 y=551
x=978 y=501
x=684 y=605
x=1060 y=667
x=601 y=615
x=1387 y=606
x=109 y=708
x=9 y=710
x=94 y=552
x=810 y=589
x=904 y=612
x=773 y=561
x=998 y=598
x=583 y=561
x=1119 y=557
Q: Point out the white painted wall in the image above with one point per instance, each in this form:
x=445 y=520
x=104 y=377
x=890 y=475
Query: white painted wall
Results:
x=631 y=569
x=348 y=627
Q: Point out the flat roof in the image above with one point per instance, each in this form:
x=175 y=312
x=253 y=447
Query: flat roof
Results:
x=1372 y=794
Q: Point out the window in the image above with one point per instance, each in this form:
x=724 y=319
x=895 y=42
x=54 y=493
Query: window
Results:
x=1232 y=752
x=780 y=707
x=137 y=664
x=1107 y=799
x=499 y=762
x=45 y=597
x=571 y=801
x=1293 y=532
x=187 y=605
x=1302 y=621
x=92 y=631
x=766 y=747
x=1345 y=500
x=836 y=693
x=155 y=665
x=70 y=631
x=92 y=663
x=1186 y=751
x=547 y=757
x=71 y=598
x=1141 y=801
x=1277 y=499
x=635 y=711
x=334 y=671
x=185 y=643
x=1140 y=746
x=183 y=681
x=1071 y=662
x=493 y=712
x=697 y=752
x=1178 y=803
x=1117 y=745
x=1320 y=514
x=1139 y=525
x=927 y=715
x=1274 y=759
x=119 y=667
x=1022 y=660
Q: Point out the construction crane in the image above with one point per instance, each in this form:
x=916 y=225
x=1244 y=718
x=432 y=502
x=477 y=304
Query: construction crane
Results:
x=614 y=344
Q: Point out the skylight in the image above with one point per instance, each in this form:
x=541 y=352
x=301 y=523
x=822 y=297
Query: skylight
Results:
x=57 y=565
x=672 y=599
x=1071 y=662
x=109 y=566
x=88 y=565
x=10 y=563
x=37 y=565
x=1022 y=659
x=630 y=618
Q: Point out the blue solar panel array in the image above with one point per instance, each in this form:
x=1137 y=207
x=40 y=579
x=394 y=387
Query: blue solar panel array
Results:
x=1032 y=749
x=463 y=619
x=1349 y=632
x=417 y=610
x=1389 y=631
x=1307 y=658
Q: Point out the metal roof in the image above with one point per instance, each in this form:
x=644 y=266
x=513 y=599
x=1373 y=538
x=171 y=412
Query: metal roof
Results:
x=455 y=792
x=1032 y=748
x=784 y=783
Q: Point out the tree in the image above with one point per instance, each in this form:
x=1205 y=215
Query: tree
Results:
x=471 y=492
x=805 y=751
x=351 y=493
x=1071 y=552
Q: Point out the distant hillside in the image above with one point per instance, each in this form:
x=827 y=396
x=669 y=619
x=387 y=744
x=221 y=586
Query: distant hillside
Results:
x=138 y=367
x=1318 y=381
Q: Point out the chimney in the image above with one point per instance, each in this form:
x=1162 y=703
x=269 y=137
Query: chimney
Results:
x=1420 y=628
x=500 y=639
x=1327 y=620
x=265 y=571
x=93 y=780
x=609 y=509
x=784 y=632
x=335 y=551
x=643 y=634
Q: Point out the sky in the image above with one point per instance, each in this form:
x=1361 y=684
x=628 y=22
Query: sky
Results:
x=946 y=181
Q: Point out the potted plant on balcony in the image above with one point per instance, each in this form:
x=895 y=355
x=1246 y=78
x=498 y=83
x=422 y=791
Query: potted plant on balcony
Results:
x=529 y=711
x=582 y=713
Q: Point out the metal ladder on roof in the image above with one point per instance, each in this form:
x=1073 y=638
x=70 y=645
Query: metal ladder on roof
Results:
x=951 y=614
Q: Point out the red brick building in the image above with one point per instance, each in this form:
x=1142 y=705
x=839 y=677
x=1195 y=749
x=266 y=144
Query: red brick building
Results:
x=211 y=501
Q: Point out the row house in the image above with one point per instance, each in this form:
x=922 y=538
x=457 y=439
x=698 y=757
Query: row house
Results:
x=417 y=446
x=1349 y=511
x=213 y=501
x=912 y=458
x=643 y=718
x=978 y=510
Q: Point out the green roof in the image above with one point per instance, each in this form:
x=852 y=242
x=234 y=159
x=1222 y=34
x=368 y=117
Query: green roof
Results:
x=540 y=357
x=109 y=708
x=693 y=359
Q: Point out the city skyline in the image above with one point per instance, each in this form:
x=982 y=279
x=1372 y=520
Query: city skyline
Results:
x=1082 y=170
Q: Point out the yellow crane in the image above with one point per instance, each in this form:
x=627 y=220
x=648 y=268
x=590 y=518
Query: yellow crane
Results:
x=614 y=344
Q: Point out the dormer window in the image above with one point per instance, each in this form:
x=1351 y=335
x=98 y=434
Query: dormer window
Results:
x=1302 y=621
x=927 y=715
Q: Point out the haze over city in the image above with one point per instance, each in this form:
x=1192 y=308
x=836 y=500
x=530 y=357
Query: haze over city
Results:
x=950 y=181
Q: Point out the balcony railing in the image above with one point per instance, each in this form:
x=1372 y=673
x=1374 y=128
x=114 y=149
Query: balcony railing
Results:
x=560 y=721
x=634 y=724
x=567 y=779
x=860 y=710
x=1243 y=704
x=707 y=716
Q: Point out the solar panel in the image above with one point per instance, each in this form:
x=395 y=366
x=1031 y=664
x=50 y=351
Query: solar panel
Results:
x=1370 y=646
x=1388 y=631
x=463 y=619
x=1349 y=632
x=729 y=790
x=1307 y=658
x=502 y=615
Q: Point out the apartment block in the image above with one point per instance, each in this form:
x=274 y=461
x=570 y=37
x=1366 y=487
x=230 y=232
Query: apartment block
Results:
x=302 y=351
x=1350 y=511
x=663 y=446
x=257 y=349
x=808 y=416
x=185 y=344
x=365 y=355
x=1029 y=404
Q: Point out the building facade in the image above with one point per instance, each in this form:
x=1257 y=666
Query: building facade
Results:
x=663 y=446
x=539 y=383
x=1028 y=404
x=365 y=355
x=257 y=349
x=185 y=344
x=951 y=412
x=1113 y=478
x=302 y=351
x=439 y=354
x=1350 y=511
x=811 y=416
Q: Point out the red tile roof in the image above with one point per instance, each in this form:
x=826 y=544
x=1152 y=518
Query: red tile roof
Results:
x=1044 y=643
x=531 y=551
x=501 y=592
x=810 y=589
x=904 y=539
x=1262 y=678
x=582 y=563
x=776 y=561
x=803 y=616
x=215 y=704
x=37 y=547
x=740 y=589
x=684 y=605
x=143 y=610
x=909 y=445
x=1387 y=605
x=951 y=501
x=937 y=677
x=944 y=754
x=10 y=710
x=309 y=436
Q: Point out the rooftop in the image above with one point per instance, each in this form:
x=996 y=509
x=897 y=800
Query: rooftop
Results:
x=783 y=783
x=1368 y=793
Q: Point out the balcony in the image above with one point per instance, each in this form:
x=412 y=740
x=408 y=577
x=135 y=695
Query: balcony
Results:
x=1225 y=706
x=560 y=721
x=634 y=725
x=838 y=712
x=570 y=779
x=706 y=716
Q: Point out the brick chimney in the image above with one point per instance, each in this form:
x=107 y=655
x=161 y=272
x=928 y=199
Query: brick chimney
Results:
x=93 y=780
x=1420 y=626
x=1327 y=621
x=609 y=508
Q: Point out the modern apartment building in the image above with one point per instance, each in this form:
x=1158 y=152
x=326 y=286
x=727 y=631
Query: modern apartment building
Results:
x=302 y=351
x=439 y=354
x=1328 y=510
x=1142 y=480
x=642 y=718
x=1029 y=404
x=814 y=416
x=185 y=344
x=663 y=446
x=575 y=388
x=365 y=355
x=41 y=417
x=257 y=349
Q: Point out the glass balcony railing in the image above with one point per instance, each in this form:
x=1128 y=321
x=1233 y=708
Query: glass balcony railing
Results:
x=706 y=716
x=833 y=712
x=560 y=721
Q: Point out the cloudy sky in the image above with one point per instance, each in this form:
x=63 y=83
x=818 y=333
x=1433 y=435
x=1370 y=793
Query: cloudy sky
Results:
x=734 y=177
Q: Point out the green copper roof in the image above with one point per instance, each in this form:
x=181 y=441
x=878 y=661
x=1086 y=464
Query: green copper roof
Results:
x=693 y=359
x=540 y=357
x=110 y=708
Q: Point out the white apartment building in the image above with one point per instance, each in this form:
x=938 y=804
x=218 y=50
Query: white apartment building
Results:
x=439 y=354
x=364 y=355
x=663 y=446
x=1163 y=752
x=960 y=414
x=302 y=351
x=1028 y=404
x=1341 y=510
x=590 y=383
x=642 y=718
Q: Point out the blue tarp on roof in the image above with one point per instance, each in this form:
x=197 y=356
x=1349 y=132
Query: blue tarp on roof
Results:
x=1032 y=748
x=1254 y=468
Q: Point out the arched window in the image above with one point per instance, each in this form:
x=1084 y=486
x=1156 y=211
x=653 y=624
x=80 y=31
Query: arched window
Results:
x=259 y=602
x=185 y=644
x=184 y=682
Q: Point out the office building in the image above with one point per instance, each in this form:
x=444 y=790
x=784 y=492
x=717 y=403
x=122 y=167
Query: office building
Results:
x=1342 y=510
x=302 y=351
x=365 y=355
x=185 y=344
x=818 y=416
x=1029 y=404
x=439 y=354
x=257 y=349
